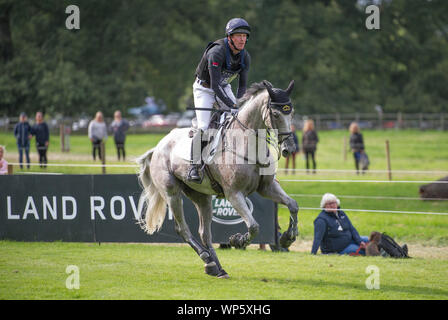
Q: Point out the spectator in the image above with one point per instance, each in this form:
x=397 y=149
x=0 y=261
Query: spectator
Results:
x=23 y=134
x=333 y=231
x=119 y=127
x=3 y=162
x=309 y=144
x=356 y=144
x=42 y=134
x=293 y=154
x=97 y=132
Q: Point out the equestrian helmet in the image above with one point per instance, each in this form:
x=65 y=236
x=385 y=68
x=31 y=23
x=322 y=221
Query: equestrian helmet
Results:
x=237 y=25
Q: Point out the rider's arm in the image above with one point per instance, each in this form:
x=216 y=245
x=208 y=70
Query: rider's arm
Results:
x=215 y=63
x=242 y=85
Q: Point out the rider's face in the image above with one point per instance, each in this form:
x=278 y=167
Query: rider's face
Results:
x=239 y=39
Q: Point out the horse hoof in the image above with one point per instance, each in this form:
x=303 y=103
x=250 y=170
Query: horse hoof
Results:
x=223 y=275
x=211 y=269
x=234 y=239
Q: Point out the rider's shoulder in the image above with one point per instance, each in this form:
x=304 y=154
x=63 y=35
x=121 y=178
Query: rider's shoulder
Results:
x=216 y=46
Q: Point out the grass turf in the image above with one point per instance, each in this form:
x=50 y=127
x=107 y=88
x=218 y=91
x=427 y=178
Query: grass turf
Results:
x=137 y=271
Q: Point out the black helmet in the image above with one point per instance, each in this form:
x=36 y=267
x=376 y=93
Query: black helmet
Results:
x=237 y=25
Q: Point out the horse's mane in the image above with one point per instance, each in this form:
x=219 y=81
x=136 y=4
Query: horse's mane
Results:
x=253 y=90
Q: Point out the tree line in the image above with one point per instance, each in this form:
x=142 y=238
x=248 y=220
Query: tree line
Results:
x=125 y=51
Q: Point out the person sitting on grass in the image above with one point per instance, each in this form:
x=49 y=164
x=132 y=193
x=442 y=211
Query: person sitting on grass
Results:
x=333 y=231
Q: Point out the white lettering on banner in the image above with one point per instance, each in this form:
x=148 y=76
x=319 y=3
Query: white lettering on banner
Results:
x=71 y=216
x=11 y=216
x=96 y=208
x=136 y=210
x=112 y=208
x=52 y=209
x=49 y=208
x=30 y=208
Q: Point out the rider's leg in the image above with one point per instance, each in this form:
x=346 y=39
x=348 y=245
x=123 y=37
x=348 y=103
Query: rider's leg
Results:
x=195 y=156
x=203 y=99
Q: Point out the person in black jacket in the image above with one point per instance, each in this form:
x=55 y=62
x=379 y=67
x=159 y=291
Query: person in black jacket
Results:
x=309 y=144
x=23 y=134
x=333 y=231
x=356 y=144
x=223 y=61
x=42 y=134
x=296 y=150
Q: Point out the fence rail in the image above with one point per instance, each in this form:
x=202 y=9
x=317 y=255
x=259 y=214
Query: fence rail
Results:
x=422 y=121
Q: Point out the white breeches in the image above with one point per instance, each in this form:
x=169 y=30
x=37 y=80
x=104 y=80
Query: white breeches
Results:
x=205 y=98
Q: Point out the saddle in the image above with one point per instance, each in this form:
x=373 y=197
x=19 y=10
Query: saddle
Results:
x=220 y=123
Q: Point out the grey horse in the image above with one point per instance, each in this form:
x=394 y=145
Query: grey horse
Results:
x=163 y=174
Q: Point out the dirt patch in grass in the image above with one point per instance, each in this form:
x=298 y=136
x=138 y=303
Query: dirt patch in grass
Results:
x=416 y=250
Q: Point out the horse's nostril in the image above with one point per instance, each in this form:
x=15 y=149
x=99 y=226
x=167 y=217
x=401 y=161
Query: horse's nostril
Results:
x=285 y=153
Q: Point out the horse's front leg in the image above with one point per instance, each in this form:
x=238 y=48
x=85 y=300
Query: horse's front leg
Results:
x=241 y=241
x=274 y=192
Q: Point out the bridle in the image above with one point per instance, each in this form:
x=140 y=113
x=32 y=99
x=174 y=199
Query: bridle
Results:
x=285 y=108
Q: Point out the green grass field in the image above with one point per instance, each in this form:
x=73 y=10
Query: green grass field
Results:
x=138 y=271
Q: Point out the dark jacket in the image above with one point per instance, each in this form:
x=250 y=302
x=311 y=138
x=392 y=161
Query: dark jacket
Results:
x=219 y=66
x=41 y=132
x=309 y=141
x=356 y=142
x=119 y=130
x=333 y=234
x=22 y=130
x=296 y=142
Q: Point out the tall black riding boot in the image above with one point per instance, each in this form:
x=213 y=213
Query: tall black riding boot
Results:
x=195 y=158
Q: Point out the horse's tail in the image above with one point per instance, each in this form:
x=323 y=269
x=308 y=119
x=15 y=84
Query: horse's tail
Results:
x=155 y=214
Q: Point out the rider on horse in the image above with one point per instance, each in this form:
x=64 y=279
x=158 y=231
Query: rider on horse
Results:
x=222 y=61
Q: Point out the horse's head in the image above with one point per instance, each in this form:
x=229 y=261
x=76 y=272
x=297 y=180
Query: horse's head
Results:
x=281 y=115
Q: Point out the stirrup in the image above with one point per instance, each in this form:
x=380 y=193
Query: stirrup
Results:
x=197 y=178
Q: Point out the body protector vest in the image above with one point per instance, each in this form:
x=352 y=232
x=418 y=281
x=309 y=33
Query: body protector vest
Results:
x=231 y=66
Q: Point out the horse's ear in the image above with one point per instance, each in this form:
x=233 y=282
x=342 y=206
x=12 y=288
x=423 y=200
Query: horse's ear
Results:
x=290 y=87
x=268 y=86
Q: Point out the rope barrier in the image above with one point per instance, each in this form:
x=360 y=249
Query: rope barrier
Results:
x=368 y=171
x=367 y=197
x=80 y=165
x=382 y=211
x=279 y=169
x=363 y=181
x=299 y=180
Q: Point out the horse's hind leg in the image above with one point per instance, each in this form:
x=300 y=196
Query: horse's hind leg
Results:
x=175 y=204
x=203 y=204
x=275 y=192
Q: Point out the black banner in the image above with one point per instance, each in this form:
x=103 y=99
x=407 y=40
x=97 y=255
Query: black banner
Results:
x=105 y=208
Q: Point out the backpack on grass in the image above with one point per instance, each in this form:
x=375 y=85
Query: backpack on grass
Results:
x=388 y=247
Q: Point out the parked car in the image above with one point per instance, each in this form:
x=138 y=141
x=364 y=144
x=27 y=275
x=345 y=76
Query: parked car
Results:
x=185 y=120
x=156 y=120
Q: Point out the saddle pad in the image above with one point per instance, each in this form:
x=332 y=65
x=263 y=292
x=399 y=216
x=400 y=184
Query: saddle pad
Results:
x=182 y=149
